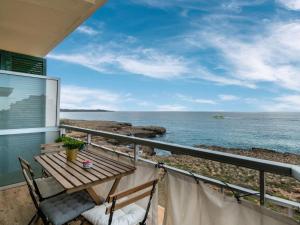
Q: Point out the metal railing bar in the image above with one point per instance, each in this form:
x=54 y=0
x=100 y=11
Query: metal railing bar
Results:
x=276 y=200
x=113 y=151
x=28 y=75
x=28 y=130
x=283 y=202
x=243 y=161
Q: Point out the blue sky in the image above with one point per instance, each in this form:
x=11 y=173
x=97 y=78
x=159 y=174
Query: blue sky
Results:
x=183 y=55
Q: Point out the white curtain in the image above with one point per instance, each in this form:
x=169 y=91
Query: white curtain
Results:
x=143 y=173
x=189 y=203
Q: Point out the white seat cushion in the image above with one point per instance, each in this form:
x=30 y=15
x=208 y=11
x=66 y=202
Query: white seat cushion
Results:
x=48 y=187
x=129 y=215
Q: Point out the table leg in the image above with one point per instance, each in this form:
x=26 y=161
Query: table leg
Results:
x=94 y=195
x=114 y=187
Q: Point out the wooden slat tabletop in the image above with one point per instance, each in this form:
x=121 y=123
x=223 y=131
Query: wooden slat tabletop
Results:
x=73 y=177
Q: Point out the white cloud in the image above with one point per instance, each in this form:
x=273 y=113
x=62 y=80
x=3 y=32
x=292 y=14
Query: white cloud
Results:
x=154 y=64
x=252 y=101
x=76 y=97
x=290 y=4
x=147 y=62
x=284 y=103
x=272 y=56
x=92 y=60
x=225 y=97
x=171 y=108
x=195 y=100
x=184 y=13
x=141 y=61
x=165 y=3
x=87 y=30
x=79 y=97
x=237 y=5
x=232 y=5
x=153 y=3
x=223 y=80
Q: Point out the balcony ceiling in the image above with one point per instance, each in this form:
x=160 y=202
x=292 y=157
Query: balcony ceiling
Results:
x=35 y=27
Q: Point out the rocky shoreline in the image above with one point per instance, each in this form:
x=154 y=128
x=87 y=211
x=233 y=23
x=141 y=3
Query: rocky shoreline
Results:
x=260 y=153
x=118 y=127
x=280 y=186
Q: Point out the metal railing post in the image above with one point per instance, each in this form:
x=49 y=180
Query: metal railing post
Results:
x=88 y=138
x=136 y=152
x=290 y=212
x=62 y=131
x=222 y=191
x=262 y=187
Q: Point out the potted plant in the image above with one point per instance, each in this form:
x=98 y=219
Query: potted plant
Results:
x=72 y=146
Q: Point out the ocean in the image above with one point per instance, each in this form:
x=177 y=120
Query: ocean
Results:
x=276 y=131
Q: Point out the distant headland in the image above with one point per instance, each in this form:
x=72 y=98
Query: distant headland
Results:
x=85 y=110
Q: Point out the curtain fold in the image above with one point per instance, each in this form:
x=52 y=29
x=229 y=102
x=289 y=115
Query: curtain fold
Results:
x=189 y=203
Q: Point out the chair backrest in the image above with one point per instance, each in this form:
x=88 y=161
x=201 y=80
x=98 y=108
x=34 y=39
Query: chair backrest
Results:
x=146 y=189
x=51 y=148
x=29 y=178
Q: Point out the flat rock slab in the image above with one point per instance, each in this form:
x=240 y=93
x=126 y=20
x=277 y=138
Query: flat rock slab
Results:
x=118 y=127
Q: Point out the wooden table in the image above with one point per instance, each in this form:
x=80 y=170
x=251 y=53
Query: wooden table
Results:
x=73 y=177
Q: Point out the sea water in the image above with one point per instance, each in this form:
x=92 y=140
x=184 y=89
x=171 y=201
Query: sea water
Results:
x=276 y=131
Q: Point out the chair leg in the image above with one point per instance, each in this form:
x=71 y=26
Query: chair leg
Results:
x=44 y=173
x=36 y=220
x=83 y=221
x=33 y=219
x=44 y=220
x=149 y=204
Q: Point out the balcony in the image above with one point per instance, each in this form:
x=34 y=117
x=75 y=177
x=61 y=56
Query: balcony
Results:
x=187 y=197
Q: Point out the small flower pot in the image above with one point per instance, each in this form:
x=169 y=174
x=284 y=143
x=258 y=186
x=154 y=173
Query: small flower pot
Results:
x=71 y=154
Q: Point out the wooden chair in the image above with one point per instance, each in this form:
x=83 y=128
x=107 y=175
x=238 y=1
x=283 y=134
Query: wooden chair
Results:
x=51 y=148
x=59 y=209
x=123 y=207
x=45 y=187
